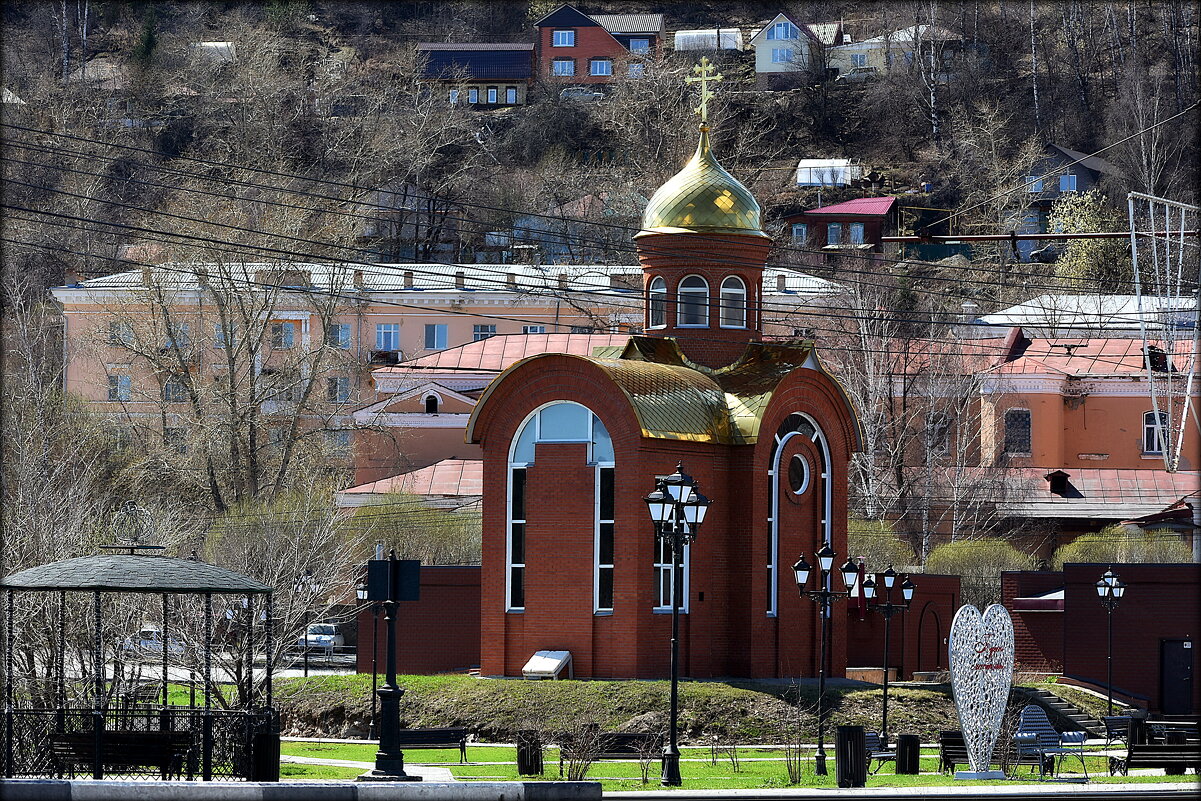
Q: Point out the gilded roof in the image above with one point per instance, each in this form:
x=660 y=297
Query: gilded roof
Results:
x=702 y=198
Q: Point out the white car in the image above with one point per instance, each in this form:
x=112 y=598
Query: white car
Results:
x=321 y=637
x=148 y=643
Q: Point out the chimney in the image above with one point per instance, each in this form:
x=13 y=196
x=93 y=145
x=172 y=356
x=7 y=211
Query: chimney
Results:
x=358 y=279
x=1157 y=359
x=562 y=280
x=408 y=279
x=525 y=254
x=460 y=279
x=781 y=284
x=147 y=275
x=511 y=281
x=968 y=311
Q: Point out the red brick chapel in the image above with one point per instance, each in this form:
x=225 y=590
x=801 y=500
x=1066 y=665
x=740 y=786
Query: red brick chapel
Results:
x=571 y=445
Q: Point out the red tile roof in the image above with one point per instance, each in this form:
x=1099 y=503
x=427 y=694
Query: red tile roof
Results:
x=498 y=352
x=863 y=205
x=449 y=477
x=1106 y=494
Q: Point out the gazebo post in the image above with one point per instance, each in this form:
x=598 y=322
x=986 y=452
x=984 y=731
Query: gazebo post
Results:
x=248 y=699
x=207 y=734
x=267 y=645
x=98 y=688
x=8 y=685
x=61 y=717
x=165 y=639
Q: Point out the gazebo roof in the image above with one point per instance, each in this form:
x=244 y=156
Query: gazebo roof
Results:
x=133 y=573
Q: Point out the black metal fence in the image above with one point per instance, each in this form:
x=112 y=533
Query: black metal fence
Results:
x=150 y=742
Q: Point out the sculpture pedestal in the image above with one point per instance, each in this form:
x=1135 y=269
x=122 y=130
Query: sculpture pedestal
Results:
x=980 y=774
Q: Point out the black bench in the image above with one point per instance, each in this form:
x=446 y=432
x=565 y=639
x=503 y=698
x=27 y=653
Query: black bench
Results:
x=449 y=737
x=875 y=751
x=952 y=751
x=617 y=745
x=1117 y=729
x=122 y=749
x=1172 y=757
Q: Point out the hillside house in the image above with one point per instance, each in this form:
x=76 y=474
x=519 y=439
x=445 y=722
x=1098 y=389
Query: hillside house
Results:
x=898 y=49
x=785 y=50
x=1052 y=177
x=708 y=39
x=480 y=74
x=857 y=224
x=579 y=48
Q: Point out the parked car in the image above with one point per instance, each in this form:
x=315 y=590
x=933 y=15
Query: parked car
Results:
x=858 y=75
x=148 y=643
x=321 y=637
x=582 y=93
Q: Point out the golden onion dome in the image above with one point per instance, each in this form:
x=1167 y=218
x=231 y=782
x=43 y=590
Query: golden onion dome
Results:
x=702 y=198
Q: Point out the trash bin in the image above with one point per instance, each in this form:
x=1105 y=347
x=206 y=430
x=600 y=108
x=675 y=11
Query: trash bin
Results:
x=850 y=756
x=1174 y=737
x=529 y=753
x=909 y=749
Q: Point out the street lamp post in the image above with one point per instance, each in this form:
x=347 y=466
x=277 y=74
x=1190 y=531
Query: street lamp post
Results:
x=888 y=609
x=308 y=586
x=1110 y=589
x=361 y=593
x=824 y=597
x=677 y=509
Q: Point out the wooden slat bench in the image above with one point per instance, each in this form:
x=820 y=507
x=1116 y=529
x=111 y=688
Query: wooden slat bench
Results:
x=876 y=752
x=122 y=749
x=619 y=745
x=1169 y=756
x=952 y=751
x=450 y=737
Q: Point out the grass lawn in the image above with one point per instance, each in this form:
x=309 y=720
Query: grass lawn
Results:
x=291 y=772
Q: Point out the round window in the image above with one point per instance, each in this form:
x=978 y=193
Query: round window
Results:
x=798 y=474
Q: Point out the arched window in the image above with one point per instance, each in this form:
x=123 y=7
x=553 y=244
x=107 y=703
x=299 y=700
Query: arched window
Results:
x=692 y=303
x=431 y=404
x=1154 y=435
x=733 y=303
x=656 y=303
x=562 y=421
x=800 y=478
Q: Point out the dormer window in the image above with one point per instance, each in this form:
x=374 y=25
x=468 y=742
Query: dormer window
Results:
x=733 y=303
x=692 y=304
x=783 y=30
x=431 y=404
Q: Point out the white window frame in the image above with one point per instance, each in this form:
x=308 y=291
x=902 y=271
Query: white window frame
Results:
x=337 y=389
x=656 y=303
x=120 y=387
x=600 y=67
x=493 y=95
x=783 y=31
x=1034 y=184
x=680 y=305
x=775 y=478
x=804 y=230
x=454 y=96
x=533 y=329
x=563 y=38
x=473 y=95
x=225 y=337
x=563 y=67
x=174 y=390
x=597 y=565
x=338 y=335
x=858 y=59
x=640 y=45
x=435 y=333
x=1152 y=434
x=283 y=335
x=120 y=334
x=1067 y=182
x=635 y=70
x=484 y=331
x=385 y=332
x=833 y=233
x=665 y=575
x=511 y=95
x=732 y=297
x=782 y=55
x=857 y=233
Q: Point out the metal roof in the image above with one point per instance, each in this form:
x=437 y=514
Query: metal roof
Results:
x=479 y=61
x=464 y=46
x=860 y=205
x=133 y=573
x=630 y=23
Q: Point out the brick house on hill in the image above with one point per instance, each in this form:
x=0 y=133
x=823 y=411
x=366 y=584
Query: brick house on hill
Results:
x=482 y=74
x=858 y=224
x=590 y=49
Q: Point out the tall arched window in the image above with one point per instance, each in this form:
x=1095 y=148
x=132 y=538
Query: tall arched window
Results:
x=1155 y=432
x=656 y=303
x=692 y=302
x=431 y=404
x=733 y=303
x=562 y=421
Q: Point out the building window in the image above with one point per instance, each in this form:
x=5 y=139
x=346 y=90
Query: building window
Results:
x=511 y=95
x=1153 y=434
x=454 y=96
x=733 y=303
x=858 y=59
x=435 y=336
x=783 y=30
x=1017 y=432
x=120 y=387
x=563 y=67
x=581 y=329
x=856 y=233
x=600 y=66
x=563 y=39
x=640 y=45
x=665 y=576
x=431 y=404
x=533 y=329
x=781 y=55
x=177 y=337
x=636 y=70
x=283 y=335
x=338 y=442
x=387 y=336
x=1067 y=183
x=795 y=475
x=337 y=389
x=174 y=390
x=176 y=439
x=337 y=335
x=603 y=580
x=121 y=334
x=561 y=421
x=224 y=336
x=1034 y=184
x=473 y=95
x=656 y=303
x=493 y=97
x=693 y=302
x=834 y=234
x=800 y=233
x=938 y=434
x=479 y=332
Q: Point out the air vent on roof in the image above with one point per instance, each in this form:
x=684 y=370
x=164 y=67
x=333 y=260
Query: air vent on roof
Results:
x=460 y=279
x=781 y=284
x=408 y=279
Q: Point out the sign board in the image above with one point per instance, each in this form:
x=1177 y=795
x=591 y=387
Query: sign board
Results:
x=404 y=584
x=981 y=660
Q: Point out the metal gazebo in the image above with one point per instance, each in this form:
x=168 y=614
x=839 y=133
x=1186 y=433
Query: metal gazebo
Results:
x=147 y=739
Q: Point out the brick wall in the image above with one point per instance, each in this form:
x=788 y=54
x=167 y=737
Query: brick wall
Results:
x=590 y=41
x=1037 y=636
x=918 y=639
x=437 y=633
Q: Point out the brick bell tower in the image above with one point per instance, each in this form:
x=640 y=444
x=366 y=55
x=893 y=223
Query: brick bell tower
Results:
x=702 y=252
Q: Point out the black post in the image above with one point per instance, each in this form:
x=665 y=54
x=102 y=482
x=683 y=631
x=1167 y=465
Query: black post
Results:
x=97 y=706
x=8 y=686
x=1109 y=657
x=389 y=759
x=372 y=732
x=671 y=753
x=884 y=713
x=163 y=638
x=206 y=747
x=304 y=639
x=819 y=757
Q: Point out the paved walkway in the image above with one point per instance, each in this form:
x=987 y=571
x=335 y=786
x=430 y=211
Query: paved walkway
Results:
x=428 y=773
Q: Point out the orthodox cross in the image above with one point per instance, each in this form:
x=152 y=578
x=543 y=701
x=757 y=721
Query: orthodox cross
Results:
x=704 y=74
